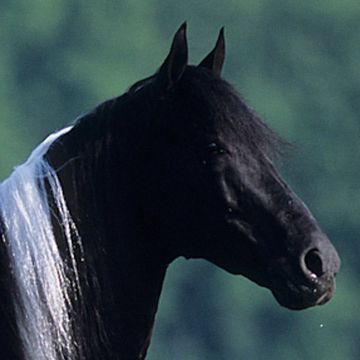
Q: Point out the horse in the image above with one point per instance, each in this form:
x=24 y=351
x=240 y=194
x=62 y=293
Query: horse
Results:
x=177 y=166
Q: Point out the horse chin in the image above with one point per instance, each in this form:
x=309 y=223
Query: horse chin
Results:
x=306 y=298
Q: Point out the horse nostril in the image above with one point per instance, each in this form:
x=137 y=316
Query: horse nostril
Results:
x=313 y=262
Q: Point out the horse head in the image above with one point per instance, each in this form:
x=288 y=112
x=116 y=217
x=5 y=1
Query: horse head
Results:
x=212 y=191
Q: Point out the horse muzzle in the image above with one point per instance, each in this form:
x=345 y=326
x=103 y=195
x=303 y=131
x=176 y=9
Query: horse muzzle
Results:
x=309 y=284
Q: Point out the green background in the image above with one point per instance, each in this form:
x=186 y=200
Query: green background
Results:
x=296 y=63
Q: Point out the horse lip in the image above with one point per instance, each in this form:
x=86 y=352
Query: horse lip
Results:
x=326 y=296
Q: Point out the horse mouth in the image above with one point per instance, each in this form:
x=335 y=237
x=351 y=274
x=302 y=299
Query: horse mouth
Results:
x=302 y=297
x=326 y=296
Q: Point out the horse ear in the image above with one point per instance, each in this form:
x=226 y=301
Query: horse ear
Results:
x=215 y=60
x=174 y=65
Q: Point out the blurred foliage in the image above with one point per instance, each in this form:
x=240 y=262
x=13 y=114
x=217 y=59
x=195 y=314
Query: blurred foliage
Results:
x=297 y=63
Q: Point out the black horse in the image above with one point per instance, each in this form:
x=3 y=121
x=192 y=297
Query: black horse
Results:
x=177 y=166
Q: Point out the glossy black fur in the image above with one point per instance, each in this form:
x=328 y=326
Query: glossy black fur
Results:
x=177 y=166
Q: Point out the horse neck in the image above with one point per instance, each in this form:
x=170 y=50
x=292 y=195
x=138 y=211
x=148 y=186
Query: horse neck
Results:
x=102 y=192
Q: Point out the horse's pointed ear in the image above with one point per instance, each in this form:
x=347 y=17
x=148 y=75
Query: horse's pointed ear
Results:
x=174 y=65
x=215 y=60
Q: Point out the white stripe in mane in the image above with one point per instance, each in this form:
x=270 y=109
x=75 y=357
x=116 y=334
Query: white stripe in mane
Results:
x=43 y=283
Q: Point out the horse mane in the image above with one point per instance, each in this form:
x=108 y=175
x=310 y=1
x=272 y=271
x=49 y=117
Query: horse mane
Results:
x=45 y=284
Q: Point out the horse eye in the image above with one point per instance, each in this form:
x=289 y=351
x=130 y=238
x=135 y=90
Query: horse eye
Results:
x=215 y=149
x=211 y=151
